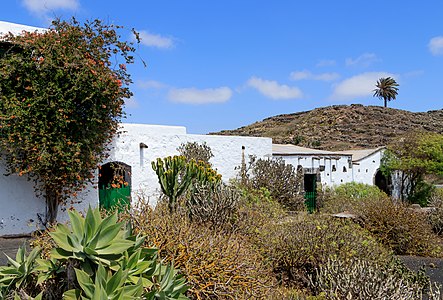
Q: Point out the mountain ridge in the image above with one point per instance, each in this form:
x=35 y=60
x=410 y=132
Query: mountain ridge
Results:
x=341 y=127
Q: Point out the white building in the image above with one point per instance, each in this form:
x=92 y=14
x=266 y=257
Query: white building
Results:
x=135 y=148
x=332 y=168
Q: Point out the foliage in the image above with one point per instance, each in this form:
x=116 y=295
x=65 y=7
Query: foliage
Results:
x=95 y=258
x=346 y=197
x=61 y=100
x=414 y=156
x=363 y=279
x=435 y=216
x=218 y=264
x=175 y=175
x=195 y=151
x=211 y=204
x=397 y=226
x=297 y=247
x=280 y=179
x=387 y=89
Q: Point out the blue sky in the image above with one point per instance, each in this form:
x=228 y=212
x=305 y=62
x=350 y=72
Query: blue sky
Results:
x=216 y=65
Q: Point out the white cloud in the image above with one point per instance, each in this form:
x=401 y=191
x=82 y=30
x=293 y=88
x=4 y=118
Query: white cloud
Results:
x=300 y=75
x=326 y=63
x=364 y=60
x=151 y=84
x=361 y=85
x=43 y=6
x=132 y=103
x=155 y=40
x=273 y=89
x=200 y=96
x=436 y=45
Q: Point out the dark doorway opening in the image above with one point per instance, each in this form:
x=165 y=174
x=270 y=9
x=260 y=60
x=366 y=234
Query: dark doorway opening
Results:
x=382 y=182
x=114 y=185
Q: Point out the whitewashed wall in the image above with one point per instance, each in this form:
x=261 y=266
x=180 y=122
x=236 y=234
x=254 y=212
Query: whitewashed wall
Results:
x=366 y=168
x=328 y=176
x=20 y=206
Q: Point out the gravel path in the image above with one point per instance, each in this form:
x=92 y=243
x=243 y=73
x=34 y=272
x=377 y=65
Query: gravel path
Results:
x=433 y=266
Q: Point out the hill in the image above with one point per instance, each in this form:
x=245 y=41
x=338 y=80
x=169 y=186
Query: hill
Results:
x=342 y=127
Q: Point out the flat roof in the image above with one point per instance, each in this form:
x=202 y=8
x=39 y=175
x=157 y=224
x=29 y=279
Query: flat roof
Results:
x=16 y=29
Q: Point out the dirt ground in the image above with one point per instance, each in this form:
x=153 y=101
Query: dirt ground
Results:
x=433 y=266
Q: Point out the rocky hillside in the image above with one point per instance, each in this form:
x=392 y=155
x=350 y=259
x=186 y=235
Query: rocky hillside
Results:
x=341 y=127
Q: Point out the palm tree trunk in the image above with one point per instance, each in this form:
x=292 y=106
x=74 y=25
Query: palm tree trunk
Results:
x=386 y=102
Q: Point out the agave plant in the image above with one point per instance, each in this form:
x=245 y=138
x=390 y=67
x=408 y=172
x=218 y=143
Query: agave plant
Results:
x=106 y=285
x=19 y=272
x=92 y=240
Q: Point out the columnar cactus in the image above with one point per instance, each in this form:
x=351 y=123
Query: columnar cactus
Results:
x=174 y=176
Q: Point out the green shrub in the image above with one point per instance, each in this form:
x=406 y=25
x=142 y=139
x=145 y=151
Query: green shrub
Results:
x=347 y=196
x=217 y=264
x=296 y=248
x=94 y=258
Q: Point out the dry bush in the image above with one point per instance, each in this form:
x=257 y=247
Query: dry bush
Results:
x=217 y=265
x=361 y=279
x=297 y=248
x=435 y=216
x=280 y=179
x=397 y=226
x=196 y=151
x=213 y=204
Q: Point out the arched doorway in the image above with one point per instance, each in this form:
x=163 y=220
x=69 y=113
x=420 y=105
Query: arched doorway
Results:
x=114 y=185
x=382 y=182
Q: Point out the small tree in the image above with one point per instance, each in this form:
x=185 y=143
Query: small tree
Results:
x=62 y=93
x=196 y=151
x=414 y=156
x=387 y=89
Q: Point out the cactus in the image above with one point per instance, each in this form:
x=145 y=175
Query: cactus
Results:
x=174 y=175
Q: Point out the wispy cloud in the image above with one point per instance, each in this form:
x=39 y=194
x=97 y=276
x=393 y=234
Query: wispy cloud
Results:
x=364 y=60
x=155 y=40
x=361 y=85
x=436 y=45
x=41 y=7
x=307 y=75
x=200 y=96
x=132 y=103
x=326 y=63
x=151 y=84
x=273 y=89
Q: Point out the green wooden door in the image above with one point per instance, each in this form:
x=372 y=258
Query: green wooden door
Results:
x=111 y=198
x=310 y=183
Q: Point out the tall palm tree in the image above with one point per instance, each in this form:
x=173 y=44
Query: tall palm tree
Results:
x=387 y=89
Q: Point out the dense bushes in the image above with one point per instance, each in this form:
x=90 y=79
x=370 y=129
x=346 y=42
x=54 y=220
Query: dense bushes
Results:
x=435 y=215
x=217 y=264
x=394 y=224
x=296 y=247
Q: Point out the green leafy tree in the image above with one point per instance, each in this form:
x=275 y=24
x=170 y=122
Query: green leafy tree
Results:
x=387 y=89
x=61 y=97
x=415 y=156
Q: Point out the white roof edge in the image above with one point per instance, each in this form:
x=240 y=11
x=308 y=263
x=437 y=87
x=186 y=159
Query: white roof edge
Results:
x=17 y=29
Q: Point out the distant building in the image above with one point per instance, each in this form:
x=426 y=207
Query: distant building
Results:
x=332 y=168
